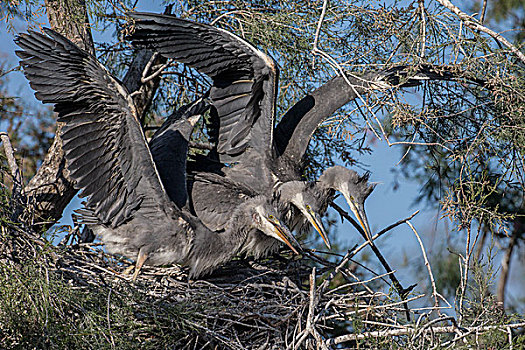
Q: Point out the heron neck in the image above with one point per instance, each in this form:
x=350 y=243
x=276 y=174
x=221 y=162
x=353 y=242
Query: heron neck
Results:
x=211 y=248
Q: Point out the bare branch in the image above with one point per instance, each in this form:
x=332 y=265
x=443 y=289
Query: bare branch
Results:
x=399 y=288
x=382 y=232
x=473 y=24
x=427 y=264
x=409 y=330
x=155 y=74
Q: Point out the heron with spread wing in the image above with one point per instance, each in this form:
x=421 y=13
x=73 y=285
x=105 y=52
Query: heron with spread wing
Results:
x=243 y=98
x=109 y=159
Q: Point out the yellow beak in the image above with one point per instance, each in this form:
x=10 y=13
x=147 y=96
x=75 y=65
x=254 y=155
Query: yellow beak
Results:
x=359 y=211
x=284 y=234
x=316 y=222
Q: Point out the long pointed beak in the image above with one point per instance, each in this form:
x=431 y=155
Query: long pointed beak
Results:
x=284 y=234
x=359 y=211
x=316 y=222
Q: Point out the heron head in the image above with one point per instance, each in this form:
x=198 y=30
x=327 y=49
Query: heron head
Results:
x=266 y=220
x=354 y=188
x=297 y=193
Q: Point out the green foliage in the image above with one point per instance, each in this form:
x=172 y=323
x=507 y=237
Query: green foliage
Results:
x=43 y=310
x=29 y=10
x=466 y=146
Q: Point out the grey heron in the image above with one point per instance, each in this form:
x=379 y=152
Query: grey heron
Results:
x=243 y=97
x=219 y=196
x=170 y=142
x=108 y=158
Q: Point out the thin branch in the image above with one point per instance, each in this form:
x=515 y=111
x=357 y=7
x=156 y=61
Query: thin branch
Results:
x=473 y=24
x=399 y=288
x=144 y=79
x=340 y=71
x=421 y=4
x=409 y=330
x=311 y=312
x=464 y=274
x=427 y=264
x=320 y=24
x=382 y=232
x=483 y=10
x=148 y=65
x=240 y=12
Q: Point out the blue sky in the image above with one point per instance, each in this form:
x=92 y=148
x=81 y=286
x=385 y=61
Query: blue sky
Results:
x=384 y=207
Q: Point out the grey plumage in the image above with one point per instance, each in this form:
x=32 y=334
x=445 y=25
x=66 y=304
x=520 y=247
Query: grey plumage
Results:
x=170 y=141
x=266 y=157
x=243 y=98
x=354 y=188
x=108 y=157
x=214 y=198
x=244 y=78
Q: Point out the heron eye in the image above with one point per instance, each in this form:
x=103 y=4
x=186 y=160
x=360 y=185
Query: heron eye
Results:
x=307 y=207
x=271 y=217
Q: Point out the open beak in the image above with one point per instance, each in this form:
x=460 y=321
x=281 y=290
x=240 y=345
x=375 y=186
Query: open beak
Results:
x=284 y=234
x=316 y=222
x=359 y=211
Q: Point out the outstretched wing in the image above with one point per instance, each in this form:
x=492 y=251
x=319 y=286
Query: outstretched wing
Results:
x=104 y=145
x=244 y=78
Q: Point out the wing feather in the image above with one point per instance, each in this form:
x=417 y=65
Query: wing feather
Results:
x=104 y=144
x=244 y=78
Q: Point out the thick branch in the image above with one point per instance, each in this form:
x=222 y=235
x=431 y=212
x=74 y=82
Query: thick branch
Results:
x=70 y=19
x=505 y=268
x=13 y=166
x=410 y=330
x=143 y=93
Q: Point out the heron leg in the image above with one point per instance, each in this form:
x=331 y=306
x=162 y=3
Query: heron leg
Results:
x=141 y=259
x=128 y=270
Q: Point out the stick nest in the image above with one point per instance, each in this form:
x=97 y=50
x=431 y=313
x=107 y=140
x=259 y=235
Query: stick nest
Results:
x=277 y=303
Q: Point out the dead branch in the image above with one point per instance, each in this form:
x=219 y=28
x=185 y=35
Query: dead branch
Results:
x=427 y=264
x=274 y=303
x=409 y=330
x=382 y=232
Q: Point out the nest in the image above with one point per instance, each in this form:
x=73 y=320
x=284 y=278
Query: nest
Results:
x=281 y=302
